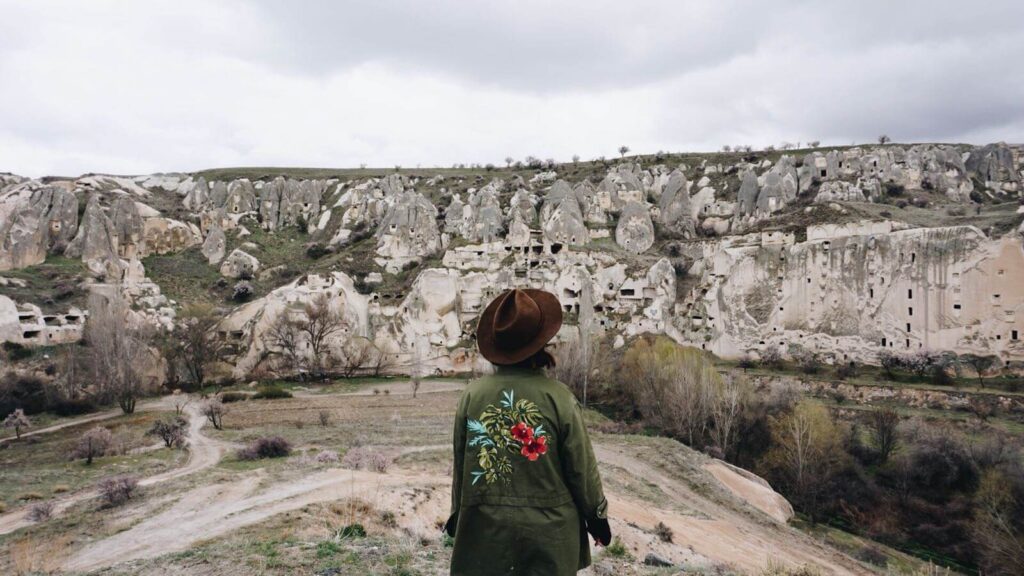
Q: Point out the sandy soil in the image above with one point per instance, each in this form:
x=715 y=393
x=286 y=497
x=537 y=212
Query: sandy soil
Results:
x=751 y=488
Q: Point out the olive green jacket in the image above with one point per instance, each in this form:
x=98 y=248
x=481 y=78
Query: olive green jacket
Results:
x=524 y=478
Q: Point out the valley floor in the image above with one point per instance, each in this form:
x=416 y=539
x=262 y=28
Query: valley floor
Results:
x=214 y=514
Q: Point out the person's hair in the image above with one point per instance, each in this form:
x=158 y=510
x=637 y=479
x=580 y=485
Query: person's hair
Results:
x=540 y=359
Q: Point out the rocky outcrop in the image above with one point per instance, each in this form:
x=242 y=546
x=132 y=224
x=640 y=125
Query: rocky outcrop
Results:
x=676 y=216
x=995 y=165
x=561 y=216
x=239 y=264
x=96 y=242
x=408 y=231
x=215 y=245
x=635 y=231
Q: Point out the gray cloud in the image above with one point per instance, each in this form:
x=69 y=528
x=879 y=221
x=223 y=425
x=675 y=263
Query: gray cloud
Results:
x=161 y=85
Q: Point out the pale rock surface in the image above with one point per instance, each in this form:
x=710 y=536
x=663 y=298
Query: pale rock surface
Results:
x=239 y=264
x=635 y=230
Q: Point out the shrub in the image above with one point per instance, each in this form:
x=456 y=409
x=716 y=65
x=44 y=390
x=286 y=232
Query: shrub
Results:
x=617 y=549
x=387 y=518
x=171 y=431
x=663 y=532
x=229 y=397
x=93 y=444
x=746 y=362
x=940 y=377
x=771 y=357
x=265 y=447
x=16 y=351
x=116 y=490
x=355 y=530
x=23 y=391
x=3 y=506
x=242 y=291
x=846 y=370
x=872 y=555
x=366 y=458
x=73 y=407
x=40 y=512
x=316 y=251
x=327 y=457
x=893 y=189
x=325 y=418
x=61 y=488
x=214 y=411
x=271 y=393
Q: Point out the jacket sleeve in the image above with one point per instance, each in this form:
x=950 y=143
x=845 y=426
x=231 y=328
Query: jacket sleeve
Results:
x=459 y=449
x=579 y=467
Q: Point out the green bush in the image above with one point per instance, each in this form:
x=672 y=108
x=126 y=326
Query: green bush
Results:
x=353 y=531
x=229 y=397
x=271 y=393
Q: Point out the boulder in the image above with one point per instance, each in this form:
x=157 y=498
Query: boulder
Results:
x=129 y=228
x=241 y=198
x=239 y=264
x=214 y=246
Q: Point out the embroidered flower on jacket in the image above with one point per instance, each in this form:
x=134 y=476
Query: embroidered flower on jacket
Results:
x=507 y=429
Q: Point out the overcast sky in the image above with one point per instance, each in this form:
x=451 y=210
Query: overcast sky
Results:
x=146 y=86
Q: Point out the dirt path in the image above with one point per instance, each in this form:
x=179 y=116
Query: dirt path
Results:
x=203 y=453
x=215 y=510
x=713 y=533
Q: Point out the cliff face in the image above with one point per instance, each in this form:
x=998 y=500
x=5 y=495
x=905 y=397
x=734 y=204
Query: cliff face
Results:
x=855 y=290
x=842 y=252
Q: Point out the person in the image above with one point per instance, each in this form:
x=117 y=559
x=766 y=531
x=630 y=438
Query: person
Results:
x=525 y=485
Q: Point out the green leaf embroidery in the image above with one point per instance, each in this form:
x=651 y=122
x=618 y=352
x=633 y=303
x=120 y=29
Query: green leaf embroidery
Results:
x=492 y=435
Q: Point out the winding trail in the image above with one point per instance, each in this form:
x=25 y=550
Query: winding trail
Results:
x=204 y=452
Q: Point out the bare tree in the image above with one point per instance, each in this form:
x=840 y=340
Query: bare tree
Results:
x=884 y=139
x=214 y=410
x=181 y=401
x=884 y=427
x=980 y=364
x=381 y=362
x=119 y=352
x=199 y=344
x=727 y=407
x=285 y=338
x=814 y=143
x=623 y=150
x=508 y=161
x=17 y=420
x=727 y=148
x=356 y=355
x=575 y=158
x=997 y=529
x=94 y=443
x=320 y=323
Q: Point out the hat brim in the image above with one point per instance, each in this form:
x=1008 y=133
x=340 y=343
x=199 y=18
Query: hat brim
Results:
x=551 y=321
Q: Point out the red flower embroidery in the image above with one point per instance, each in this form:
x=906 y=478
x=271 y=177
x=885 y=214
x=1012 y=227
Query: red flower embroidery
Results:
x=535 y=448
x=522 y=433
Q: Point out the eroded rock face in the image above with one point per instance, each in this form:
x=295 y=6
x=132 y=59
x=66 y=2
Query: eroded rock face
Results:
x=561 y=216
x=635 y=231
x=241 y=198
x=485 y=223
x=747 y=196
x=409 y=229
x=35 y=221
x=96 y=242
x=239 y=264
x=995 y=165
x=676 y=212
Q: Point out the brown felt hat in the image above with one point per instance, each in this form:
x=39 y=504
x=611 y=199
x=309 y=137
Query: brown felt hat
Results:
x=517 y=324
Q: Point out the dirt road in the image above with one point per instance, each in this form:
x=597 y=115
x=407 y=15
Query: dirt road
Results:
x=203 y=453
x=716 y=533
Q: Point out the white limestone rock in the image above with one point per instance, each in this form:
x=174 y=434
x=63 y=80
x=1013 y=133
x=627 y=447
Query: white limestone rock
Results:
x=239 y=264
